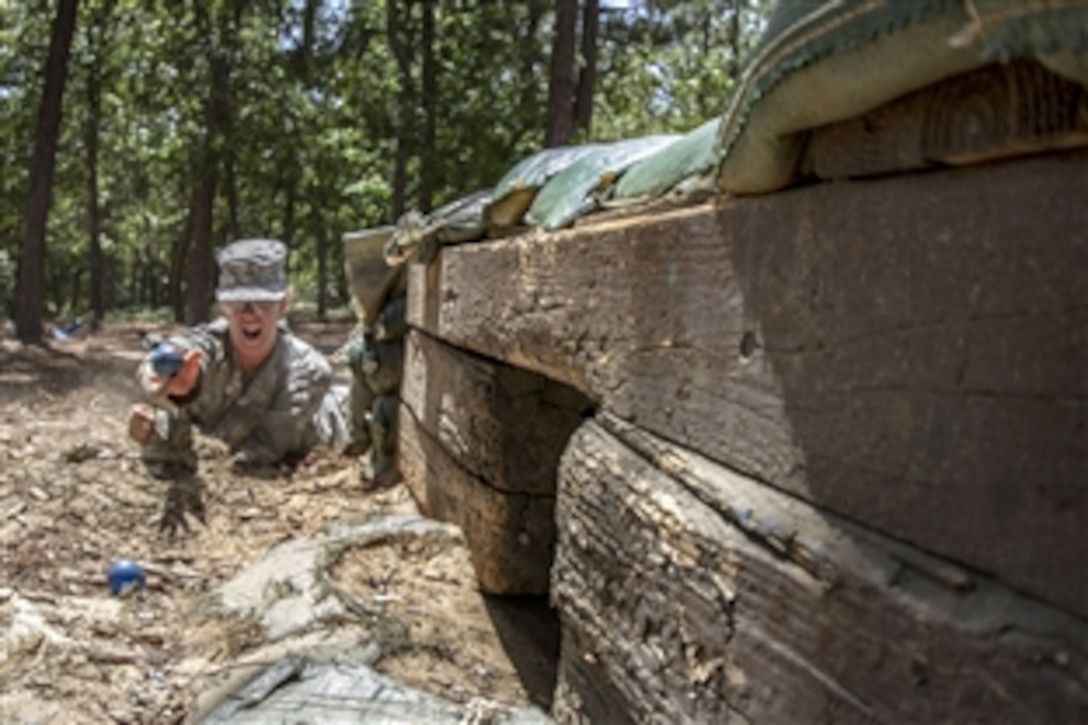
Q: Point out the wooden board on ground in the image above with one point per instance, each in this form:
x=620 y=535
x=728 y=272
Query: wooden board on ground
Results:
x=689 y=593
x=907 y=352
x=480 y=443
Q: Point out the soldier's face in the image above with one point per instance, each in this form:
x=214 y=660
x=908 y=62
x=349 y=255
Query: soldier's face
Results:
x=253 y=329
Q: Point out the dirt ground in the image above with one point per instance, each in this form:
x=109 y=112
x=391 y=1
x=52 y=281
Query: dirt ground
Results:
x=74 y=496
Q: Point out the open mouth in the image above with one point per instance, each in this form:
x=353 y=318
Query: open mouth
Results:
x=252 y=332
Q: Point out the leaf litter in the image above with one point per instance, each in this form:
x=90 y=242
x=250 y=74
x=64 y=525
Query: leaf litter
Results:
x=74 y=496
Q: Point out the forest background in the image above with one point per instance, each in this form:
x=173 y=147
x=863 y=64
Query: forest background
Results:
x=137 y=136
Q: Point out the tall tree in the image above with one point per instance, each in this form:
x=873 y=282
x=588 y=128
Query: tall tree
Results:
x=398 y=30
x=734 y=39
x=587 y=74
x=428 y=158
x=200 y=282
x=96 y=55
x=29 y=294
x=561 y=81
x=305 y=118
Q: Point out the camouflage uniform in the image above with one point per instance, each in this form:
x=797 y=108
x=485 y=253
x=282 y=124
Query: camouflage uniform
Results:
x=278 y=411
x=375 y=356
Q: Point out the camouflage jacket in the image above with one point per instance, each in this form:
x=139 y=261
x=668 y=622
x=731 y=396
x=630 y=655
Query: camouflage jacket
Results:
x=283 y=408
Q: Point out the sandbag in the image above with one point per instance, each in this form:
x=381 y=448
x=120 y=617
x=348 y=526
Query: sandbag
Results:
x=574 y=191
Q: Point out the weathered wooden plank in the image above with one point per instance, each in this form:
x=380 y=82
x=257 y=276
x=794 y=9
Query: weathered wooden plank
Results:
x=909 y=352
x=502 y=424
x=480 y=444
x=511 y=536
x=999 y=110
x=689 y=593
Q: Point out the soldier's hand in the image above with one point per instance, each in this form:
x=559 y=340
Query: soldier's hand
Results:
x=177 y=385
x=185 y=379
x=141 y=422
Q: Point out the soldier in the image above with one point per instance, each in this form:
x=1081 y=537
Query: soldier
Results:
x=243 y=378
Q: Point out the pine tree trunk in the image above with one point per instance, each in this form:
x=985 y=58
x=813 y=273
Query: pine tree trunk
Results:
x=398 y=14
x=179 y=252
x=30 y=292
x=289 y=211
x=561 y=82
x=587 y=77
x=200 y=283
x=429 y=160
x=231 y=179
x=94 y=217
x=734 y=40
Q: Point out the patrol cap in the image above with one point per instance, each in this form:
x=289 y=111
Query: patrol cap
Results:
x=252 y=270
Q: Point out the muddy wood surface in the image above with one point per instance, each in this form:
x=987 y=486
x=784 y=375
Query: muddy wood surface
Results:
x=73 y=496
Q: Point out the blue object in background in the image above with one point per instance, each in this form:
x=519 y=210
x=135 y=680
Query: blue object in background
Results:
x=126 y=576
x=166 y=359
x=63 y=333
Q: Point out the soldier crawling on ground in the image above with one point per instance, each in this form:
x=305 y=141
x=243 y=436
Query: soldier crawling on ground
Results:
x=243 y=378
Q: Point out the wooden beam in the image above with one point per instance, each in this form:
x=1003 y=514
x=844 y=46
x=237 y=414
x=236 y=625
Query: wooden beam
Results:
x=479 y=446
x=997 y=111
x=689 y=593
x=907 y=352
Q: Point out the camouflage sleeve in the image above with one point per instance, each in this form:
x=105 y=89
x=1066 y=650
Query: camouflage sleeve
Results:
x=287 y=426
x=213 y=350
x=171 y=441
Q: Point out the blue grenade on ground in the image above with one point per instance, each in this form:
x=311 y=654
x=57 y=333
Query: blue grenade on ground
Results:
x=126 y=576
x=166 y=359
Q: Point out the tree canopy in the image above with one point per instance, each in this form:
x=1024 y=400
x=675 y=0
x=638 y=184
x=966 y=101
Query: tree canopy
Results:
x=186 y=124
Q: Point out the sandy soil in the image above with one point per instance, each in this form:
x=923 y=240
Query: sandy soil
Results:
x=74 y=496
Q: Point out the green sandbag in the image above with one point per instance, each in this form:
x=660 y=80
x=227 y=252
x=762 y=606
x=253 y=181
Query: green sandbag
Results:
x=571 y=193
x=689 y=155
x=462 y=220
x=825 y=61
x=514 y=193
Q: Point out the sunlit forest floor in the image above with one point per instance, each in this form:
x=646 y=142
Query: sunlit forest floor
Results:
x=74 y=496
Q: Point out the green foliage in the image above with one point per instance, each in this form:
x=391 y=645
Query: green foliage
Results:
x=307 y=150
x=670 y=65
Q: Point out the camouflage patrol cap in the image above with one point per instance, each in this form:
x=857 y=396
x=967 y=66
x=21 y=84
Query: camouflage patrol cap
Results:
x=252 y=270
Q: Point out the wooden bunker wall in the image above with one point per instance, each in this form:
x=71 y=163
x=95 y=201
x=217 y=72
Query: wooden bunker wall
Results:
x=838 y=466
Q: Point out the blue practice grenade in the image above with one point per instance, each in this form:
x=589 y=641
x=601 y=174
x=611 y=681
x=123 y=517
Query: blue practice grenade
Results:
x=166 y=359
x=125 y=577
